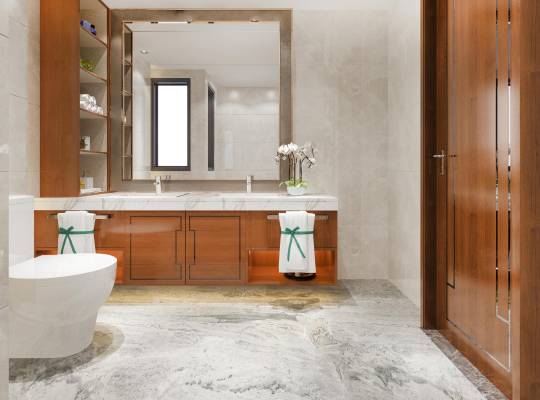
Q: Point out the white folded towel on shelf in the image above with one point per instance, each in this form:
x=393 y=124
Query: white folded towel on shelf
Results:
x=76 y=232
x=297 y=249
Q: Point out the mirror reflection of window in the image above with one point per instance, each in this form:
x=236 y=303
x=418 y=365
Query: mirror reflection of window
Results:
x=171 y=124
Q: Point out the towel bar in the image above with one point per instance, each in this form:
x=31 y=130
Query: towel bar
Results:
x=98 y=216
x=273 y=217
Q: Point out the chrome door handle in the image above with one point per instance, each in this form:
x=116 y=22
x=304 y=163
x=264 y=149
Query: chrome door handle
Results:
x=442 y=156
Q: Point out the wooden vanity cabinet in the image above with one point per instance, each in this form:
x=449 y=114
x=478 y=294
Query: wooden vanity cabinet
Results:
x=197 y=248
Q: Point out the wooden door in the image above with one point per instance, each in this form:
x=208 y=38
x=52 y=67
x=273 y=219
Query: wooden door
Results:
x=476 y=172
x=213 y=248
x=157 y=248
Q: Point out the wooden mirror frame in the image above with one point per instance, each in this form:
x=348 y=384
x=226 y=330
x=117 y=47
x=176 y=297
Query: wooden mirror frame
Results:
x=119 y=17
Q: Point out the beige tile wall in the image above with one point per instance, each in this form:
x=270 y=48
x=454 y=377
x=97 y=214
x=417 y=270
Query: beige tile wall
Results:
x=4 y=191
x=340 y=104
x=23 y=95
x=19 y=131
x=404 y=146
x=342 y=101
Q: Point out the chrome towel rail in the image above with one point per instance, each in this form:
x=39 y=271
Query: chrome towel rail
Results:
x=98 y=216
x=318 y=217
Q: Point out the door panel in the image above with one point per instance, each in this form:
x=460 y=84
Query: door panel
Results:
x=477 y=216
x=213 y=248
x=157 y=247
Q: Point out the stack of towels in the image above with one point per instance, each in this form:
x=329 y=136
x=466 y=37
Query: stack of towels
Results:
x=297 y=249
x=89 y=103
x=76 y=232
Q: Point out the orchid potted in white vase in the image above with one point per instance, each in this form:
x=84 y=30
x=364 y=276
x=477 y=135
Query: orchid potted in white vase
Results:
x=297 y=158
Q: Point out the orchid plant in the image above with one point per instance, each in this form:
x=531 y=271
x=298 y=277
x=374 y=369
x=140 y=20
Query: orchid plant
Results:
x=297 y=157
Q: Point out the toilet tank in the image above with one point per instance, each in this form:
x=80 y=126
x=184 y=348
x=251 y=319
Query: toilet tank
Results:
x=21 y=229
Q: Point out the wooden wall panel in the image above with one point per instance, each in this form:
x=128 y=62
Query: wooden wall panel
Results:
x=525 y=187
x=59 y=77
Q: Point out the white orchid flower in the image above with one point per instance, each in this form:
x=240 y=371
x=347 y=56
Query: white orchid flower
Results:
x=293 y=148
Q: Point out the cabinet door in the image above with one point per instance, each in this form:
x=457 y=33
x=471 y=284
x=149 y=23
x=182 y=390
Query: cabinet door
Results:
x=157 y=247
x=213 y=248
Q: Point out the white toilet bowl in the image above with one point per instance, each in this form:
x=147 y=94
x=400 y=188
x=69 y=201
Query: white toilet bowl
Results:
x=54 y=302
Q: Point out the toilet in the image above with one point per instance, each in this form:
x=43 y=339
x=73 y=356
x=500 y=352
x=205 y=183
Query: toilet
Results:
x=53 y=299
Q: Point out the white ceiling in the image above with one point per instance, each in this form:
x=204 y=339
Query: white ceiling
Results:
x=252 y=4
x=233 y=54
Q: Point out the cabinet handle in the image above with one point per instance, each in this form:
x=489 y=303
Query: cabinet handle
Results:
x=274 y=217
x=190 y=248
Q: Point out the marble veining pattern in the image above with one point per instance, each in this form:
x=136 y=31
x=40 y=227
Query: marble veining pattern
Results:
x=197 y=201
x=357 y=341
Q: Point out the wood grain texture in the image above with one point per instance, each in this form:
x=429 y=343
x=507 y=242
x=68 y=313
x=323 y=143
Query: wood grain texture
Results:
x=59 y=94
x=468 y=233
x=472 y=229
x=157 y=247
x=430 y=43
x=215 y=250
x=263 y=249
x=263 y=268
x=525 y=184
x=215 y=246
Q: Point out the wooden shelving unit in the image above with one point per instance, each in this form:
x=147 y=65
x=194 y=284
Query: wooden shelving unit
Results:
x=93 y=153
x=86 y=76
x=86 y=114
x=63 y=44
x=95 y=49
x=127 y=104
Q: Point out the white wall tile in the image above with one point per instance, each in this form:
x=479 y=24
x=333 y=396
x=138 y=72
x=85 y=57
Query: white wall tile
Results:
x=18 y=133
x=4 y=360
x=341 y=105
x=404 y=146
x=4 y=242
x=18 y=10
x=18 y=58
x=4 y=104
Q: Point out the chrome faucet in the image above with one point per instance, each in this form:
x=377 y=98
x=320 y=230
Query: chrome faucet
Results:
x=248 y=183
x=157 y=184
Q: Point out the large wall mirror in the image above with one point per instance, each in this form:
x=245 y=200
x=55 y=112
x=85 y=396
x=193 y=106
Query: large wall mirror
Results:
x=209 y=94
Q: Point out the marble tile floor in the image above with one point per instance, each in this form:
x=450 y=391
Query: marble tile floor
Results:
x=359 y=340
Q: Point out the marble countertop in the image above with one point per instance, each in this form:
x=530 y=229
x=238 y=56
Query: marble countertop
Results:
x=190 y=201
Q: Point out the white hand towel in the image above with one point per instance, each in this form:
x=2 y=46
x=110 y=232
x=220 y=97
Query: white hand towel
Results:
x=79 y=232
x=293 y=260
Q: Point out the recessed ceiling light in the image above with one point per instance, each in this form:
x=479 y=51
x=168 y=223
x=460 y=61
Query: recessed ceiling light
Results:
x=144 y=51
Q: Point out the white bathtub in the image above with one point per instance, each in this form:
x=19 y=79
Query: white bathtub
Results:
x=54 y=301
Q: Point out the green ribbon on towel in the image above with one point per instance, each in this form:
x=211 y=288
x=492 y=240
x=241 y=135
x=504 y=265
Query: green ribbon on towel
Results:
x=67 y=237
x=293 y=233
